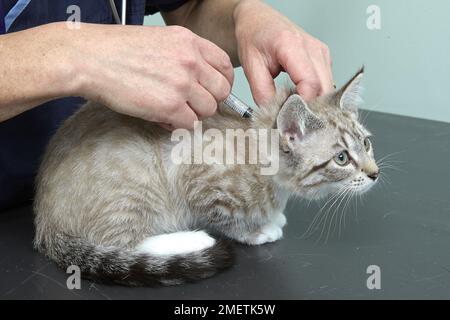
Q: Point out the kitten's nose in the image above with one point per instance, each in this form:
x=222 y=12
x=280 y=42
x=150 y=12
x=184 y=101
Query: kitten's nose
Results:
x=373 y=175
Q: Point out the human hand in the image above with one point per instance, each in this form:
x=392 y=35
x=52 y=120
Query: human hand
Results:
x=269 y=43
x=167 y=75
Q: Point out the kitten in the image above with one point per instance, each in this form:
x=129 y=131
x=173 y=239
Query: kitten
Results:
x=110 y=200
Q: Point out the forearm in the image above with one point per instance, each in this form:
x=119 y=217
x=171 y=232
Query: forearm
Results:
x=35 y=68
x=212 y=20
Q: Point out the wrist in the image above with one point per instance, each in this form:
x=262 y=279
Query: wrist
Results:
x=67 y=70
x=242 y=6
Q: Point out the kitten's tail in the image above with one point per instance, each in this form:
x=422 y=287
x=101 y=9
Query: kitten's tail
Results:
x=168 y=259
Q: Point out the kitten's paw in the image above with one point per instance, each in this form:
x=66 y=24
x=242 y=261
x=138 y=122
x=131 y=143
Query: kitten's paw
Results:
x=279 y=219
x=269 y=233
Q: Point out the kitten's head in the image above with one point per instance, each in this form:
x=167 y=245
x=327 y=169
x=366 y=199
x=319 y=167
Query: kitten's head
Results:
x=324 y=148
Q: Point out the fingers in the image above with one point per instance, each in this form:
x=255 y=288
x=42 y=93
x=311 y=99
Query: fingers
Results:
x=260 y=80
x=214 y=82
x=309 y=69
x=183 y=118
x=322 y=65
x=302 y=72
x=202 y=102
x=217 y=58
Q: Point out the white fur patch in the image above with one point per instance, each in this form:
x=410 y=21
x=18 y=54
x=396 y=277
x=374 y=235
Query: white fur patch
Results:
x=269 y=233
x=176 y=243
x=279 y=219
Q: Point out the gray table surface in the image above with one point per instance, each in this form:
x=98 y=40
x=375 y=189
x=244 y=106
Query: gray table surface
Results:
x=402 y=226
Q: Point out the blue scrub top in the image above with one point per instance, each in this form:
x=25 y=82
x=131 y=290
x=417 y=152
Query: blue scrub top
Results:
x=24 y=137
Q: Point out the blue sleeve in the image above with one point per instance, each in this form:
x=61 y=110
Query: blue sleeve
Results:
x=154 y=6
x=2 y=18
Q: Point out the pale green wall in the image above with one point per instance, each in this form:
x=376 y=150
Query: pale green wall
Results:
x=407 y=61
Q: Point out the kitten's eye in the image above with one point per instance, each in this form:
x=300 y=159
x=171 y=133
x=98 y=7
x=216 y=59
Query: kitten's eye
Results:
x=367 y=144
x=342 y=158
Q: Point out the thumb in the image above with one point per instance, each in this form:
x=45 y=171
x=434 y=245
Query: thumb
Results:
x=261 y=82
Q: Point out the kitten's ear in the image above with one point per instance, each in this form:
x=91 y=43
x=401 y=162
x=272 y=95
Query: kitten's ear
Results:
x=349 y=96
x=295 y=119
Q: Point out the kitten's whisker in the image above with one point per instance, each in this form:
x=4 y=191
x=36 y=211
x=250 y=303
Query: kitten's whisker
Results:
x=389 y=155
x=342 y=219
x=385 y=179
x=382 y=182
x=336 y=216
x=328 y=213
x=310 y=231
x=390 y=167
x=343 y=216
x=389 y=162
x=336 y=211
x=340 y=223
x=393 y=161
x=345 y=208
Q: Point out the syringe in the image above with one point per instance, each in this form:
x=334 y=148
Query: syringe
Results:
x=238 y=106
